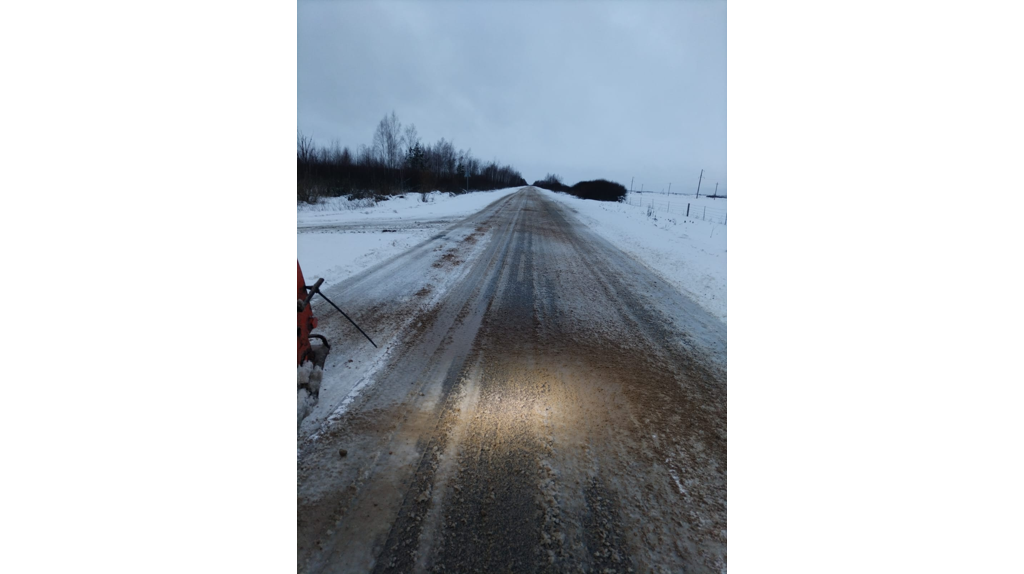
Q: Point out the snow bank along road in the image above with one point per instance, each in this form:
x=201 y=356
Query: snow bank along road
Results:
x=541 y=403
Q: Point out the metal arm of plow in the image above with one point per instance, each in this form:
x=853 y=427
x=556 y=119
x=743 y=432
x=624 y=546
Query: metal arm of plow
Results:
x=312 y=291
x=347 y=317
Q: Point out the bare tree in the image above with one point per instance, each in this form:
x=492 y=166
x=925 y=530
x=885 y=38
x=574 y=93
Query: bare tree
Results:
x=444 y=159
x=364 y=156
x=387 y=142
x=306 y=148
x=411 y=138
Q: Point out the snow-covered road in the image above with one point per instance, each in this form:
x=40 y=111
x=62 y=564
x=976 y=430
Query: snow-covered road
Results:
x=541 y=400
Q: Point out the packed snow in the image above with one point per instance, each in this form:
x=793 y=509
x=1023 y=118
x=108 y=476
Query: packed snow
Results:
x=689 y=252
x=338 y=237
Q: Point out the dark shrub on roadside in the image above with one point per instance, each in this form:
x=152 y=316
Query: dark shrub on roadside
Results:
x=552 y=182
x=600 y=190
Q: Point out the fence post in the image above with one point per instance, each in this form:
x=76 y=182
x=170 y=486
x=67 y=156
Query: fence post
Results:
x=702 y=217
x=687 y=210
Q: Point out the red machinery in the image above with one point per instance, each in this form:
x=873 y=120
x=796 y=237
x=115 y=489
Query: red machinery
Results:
x=307 y=322
x=311 y=358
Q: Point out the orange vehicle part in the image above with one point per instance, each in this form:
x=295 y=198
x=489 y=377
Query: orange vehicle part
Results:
x=307 y=322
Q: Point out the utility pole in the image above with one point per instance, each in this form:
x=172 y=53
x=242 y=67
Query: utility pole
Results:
x=698 y=182
x=641 y=189
x=631 y=185
x=669 y=188
x=716 y=189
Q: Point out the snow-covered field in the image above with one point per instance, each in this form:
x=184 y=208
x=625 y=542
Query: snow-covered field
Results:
x=338 y=238
x=688 y=252
x=703 y=208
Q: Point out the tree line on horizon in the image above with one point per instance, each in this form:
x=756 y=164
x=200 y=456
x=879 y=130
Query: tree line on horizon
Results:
x=396 y=162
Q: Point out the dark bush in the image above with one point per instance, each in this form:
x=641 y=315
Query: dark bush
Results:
x=552 y=182
x=600 y=190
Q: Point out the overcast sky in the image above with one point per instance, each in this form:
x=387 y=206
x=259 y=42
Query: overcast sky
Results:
x=582 y=89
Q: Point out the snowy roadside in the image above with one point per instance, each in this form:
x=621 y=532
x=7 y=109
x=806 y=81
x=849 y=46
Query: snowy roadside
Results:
x=689 y=253
x=338 y=238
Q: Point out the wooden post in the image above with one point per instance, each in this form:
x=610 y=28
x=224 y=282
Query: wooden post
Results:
x=698 y=182
x=702 y=217
x=687 y=210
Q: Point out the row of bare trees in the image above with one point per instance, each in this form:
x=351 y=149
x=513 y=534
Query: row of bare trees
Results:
x=396 y=162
